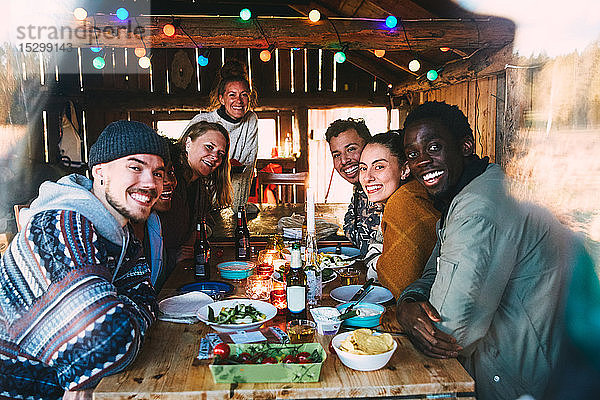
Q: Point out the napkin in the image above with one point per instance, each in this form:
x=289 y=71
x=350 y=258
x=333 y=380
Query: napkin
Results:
x=183 y=308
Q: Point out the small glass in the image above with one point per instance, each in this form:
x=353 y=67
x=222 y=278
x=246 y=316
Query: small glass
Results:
x=266 y=259
x=301 y=331
x=258 y=287
x=279 y=300
x=348 y=276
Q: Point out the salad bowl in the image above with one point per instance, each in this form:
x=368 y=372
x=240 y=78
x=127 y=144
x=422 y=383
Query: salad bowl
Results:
x=248 y=315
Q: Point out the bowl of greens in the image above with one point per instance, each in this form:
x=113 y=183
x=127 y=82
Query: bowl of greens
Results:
x=236 y=314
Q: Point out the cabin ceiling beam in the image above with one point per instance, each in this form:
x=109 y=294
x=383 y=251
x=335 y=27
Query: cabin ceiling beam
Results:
x=483 y=63
x=357 y=34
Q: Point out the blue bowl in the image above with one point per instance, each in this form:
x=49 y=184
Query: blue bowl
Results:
x=235 y=269
x=370 y=321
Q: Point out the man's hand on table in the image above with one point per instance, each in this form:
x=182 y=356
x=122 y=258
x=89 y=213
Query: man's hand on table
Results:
x=417 y=320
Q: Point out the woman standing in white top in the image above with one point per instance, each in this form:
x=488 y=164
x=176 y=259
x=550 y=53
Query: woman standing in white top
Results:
x=231 y=102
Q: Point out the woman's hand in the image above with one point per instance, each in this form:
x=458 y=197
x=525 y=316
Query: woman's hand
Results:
x=417 y=320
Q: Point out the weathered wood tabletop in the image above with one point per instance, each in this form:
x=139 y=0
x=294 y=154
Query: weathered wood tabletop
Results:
x=165 y=369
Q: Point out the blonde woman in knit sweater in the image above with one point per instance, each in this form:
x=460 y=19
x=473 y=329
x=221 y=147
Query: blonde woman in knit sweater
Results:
x=231 y=101
x=408 y=223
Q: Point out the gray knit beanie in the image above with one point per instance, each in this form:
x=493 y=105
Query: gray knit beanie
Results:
x=125 y=138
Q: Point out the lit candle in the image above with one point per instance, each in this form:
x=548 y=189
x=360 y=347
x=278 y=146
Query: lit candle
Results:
x=266 y=258
x=258 y=287
x=278 y=299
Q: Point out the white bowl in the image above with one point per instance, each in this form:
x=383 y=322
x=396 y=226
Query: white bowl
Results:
x=266 y=308
x=361 y=362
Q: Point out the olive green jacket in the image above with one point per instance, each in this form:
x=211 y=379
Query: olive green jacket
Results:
x=501 y=273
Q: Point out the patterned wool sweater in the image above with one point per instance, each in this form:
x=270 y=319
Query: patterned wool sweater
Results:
x=71 y=301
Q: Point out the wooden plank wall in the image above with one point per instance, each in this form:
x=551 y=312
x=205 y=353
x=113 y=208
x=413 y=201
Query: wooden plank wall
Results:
x=301 y=72
x=477 y=99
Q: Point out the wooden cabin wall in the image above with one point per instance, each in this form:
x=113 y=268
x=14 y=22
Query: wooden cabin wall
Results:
x=477 y=99
x=176 y=88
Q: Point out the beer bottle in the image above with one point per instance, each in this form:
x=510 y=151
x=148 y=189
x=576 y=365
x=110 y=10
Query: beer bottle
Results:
x=242 y=236
x=201 y=252
x=296 y=286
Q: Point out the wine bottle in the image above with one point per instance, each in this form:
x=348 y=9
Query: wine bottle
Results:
x=242 y=236
x=296 y=286
x=201 y=252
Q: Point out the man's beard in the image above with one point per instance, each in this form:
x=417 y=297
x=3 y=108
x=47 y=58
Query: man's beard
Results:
x=122 y=209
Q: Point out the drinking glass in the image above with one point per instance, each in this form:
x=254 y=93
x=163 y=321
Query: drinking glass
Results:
x=348 y=276
x=258 y=287
x=301 y=331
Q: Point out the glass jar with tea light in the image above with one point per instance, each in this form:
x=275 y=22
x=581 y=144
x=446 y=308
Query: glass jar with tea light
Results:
x=278 y=299
x=265 y=261
x=258 y=287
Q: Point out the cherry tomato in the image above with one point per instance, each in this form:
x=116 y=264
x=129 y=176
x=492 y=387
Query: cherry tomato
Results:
x=303 y=357
x=245 y=358
x=269 y=360
x=221 y=350
x=290 y=359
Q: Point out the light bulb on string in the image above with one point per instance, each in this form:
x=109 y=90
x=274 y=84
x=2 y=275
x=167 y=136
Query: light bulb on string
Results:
x=339 y=57
x=432 y=75
x=245 y=14
x=414 y=65
x=202 y=60
x=314 y=15
x=98 y=62
x=169 y=30
x=96 y=49
x=444 y=49
x=144 y=62
x=80 y=13
x=122 y=13
x=391 y=21
x=139 y=52
x=379 y=53
x=265 y=56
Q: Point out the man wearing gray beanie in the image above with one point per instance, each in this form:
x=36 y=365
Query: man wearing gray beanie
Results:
x=77 y=245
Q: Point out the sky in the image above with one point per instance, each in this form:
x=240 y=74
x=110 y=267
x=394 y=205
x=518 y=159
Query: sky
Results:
x=553 y=27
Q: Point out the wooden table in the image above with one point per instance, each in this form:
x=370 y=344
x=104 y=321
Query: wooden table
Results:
x=165 y=369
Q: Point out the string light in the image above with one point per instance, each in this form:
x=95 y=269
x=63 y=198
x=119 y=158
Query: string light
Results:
x=144 y=62
x=202 y=60
x=80 y=13
x=265 y=56
x=314 y=15
x=96 y=49
x=245 y=14
x=444 y=49
x=391 y=21
x=169 y=30
x=122 y=14
x=339 y=57
x=139 y=52
x=379 y=53
x=414 y=65
x=98 y=62
x=432 y=75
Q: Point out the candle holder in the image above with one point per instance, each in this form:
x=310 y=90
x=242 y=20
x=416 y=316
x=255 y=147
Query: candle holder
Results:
x=266 y=260
x=278 y=299
x=258 y=287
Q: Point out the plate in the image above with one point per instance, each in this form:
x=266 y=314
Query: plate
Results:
x=216 y=290
x=277 y=276
x=266 y=308
x=346 y=251
x=184 y=305
x=378 y=294
x=335 y=260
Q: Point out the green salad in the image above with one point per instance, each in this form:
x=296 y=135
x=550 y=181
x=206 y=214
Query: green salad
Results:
x=238 y=314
